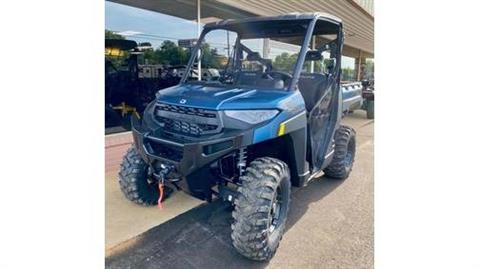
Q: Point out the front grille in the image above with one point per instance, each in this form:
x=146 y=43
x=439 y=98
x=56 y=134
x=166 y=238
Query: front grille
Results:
x=186 y=127
x=187 y=110
x=187 y=120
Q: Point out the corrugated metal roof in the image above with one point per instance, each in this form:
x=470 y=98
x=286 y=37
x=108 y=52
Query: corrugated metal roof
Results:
x=358 y=23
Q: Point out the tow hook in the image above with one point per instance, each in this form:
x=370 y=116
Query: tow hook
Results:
x=164 y=171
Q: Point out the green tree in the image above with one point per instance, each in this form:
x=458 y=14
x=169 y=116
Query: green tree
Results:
x=169 y=54
x=318 y=66
x=285 y=62
x=368 y=72
x=210 y=57
x=348 y=74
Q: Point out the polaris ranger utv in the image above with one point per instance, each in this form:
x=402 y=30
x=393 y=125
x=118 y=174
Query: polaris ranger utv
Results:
x=268 y=123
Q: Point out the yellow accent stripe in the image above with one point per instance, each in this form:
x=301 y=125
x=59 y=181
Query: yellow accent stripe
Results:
x=281 y=129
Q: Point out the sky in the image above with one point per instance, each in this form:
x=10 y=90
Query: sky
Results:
x=121 y=18
x=148 y=26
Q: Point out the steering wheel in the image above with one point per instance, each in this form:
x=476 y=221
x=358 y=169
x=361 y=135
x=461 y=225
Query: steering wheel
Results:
x=279 y=75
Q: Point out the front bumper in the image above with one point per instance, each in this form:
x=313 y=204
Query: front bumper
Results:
x=186 y=156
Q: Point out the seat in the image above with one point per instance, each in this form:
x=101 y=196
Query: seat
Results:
x=311 y=86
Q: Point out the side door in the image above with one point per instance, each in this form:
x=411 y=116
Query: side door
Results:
x=322 y=118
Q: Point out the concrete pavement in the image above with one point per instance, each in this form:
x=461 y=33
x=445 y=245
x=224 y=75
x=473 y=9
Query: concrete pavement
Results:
x=124 y=219
x=330 y=225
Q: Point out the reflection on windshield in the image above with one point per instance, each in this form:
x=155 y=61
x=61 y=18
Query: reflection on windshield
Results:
x=255 y=62
x=259 y=62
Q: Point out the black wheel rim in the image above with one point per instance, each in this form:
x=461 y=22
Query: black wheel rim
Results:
x=275 y=216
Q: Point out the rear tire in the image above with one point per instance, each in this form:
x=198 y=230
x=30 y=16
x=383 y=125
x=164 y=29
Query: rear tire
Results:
x=133 y=179
x=370 y=109
x=344 y=154
x=261 y=208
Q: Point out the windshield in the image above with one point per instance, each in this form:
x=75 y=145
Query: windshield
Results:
x=262 y=58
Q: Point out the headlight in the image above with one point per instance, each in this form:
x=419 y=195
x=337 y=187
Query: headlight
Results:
x=251 y=116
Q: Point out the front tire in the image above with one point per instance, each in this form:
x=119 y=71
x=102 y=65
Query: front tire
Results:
x=344 y=154
x=134 y=182
x=261 y=208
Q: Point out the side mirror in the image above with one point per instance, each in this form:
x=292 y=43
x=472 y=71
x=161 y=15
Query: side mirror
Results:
x=313 y=55
x=330 y=64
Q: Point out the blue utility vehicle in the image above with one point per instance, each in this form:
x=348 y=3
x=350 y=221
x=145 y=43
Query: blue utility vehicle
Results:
x=269 y=122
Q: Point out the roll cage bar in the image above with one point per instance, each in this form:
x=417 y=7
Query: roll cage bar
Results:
x=230 y=25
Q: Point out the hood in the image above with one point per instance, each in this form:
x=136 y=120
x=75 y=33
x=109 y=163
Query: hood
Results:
x=219 y=98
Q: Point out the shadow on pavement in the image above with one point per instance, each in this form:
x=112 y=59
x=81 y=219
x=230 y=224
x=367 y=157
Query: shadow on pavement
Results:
x=200 y=238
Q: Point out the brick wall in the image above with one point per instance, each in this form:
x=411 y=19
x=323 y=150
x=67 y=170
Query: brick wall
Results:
x=115 y=147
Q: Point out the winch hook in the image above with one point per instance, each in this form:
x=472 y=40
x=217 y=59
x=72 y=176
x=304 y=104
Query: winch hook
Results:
x=165 y=170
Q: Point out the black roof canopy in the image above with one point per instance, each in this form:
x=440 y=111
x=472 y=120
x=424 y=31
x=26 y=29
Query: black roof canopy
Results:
x=279 y=26
x=121 y=44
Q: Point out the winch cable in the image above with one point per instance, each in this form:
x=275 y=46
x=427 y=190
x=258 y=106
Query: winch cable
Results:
x=160 y=188
x=161 y=181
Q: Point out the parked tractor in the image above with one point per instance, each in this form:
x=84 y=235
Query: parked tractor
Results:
x=129 y=87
